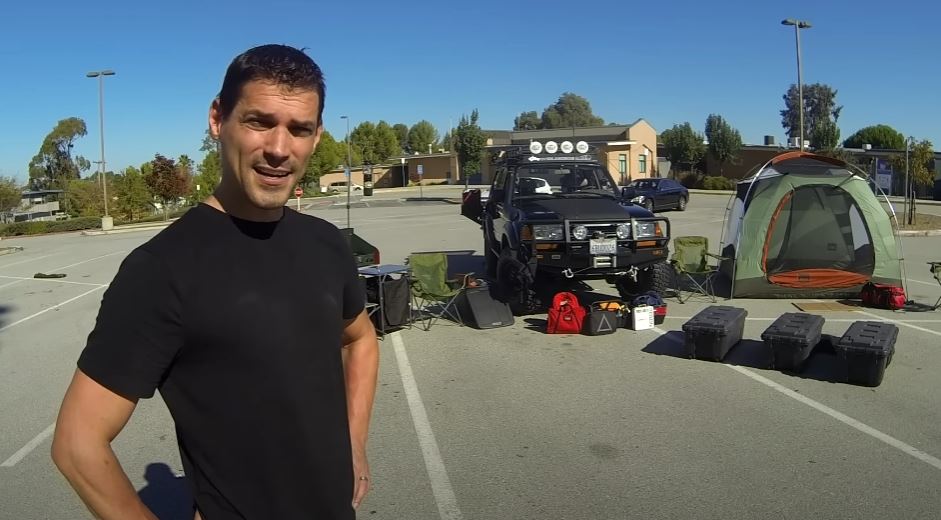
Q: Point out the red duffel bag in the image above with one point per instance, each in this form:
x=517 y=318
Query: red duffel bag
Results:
x=882 y=296
x=566 y=315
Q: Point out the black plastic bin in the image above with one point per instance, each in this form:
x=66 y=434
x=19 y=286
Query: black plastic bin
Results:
x=714 y=331
x=791 y=339
x=867 y=348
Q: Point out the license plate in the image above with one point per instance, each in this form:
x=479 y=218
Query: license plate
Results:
x=607 y=246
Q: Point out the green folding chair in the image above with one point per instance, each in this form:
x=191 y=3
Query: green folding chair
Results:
x=936 y=271
x=434 y=294
x=694 y=273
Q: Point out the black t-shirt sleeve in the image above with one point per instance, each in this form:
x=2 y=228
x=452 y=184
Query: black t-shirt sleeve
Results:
x=354 y=296
x=139 y=329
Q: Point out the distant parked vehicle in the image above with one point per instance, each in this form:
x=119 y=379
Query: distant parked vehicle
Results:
x=656 y=194
x=340 y=186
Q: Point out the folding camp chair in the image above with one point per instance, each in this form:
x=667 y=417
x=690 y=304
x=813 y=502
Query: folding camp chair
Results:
x=936 y=271
x=691 y=262
x=433 y=293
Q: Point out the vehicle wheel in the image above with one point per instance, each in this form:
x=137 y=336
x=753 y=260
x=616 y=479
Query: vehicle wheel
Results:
x=515 y=283
x=658 y=277
x=649 y=205
x=682 y=204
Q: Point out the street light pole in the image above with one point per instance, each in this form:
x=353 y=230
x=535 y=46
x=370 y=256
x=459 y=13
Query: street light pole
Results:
x=349 y=169
x=798 y=25
x=106 y=221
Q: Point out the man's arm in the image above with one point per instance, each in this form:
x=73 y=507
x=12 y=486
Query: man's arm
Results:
x=91 y=417
x=361 y=367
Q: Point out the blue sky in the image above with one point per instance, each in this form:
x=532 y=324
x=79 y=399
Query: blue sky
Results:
x=405 y=61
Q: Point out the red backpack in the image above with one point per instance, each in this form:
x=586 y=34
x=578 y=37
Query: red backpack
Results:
x=566 y=315
x=882 y=296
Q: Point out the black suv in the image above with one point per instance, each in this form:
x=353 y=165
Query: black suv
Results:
x=562 y=215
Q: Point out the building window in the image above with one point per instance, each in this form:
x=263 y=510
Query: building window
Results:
x=622 y=164
x=642 y=164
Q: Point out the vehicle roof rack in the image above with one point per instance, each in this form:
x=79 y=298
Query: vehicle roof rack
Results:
x=519 y=154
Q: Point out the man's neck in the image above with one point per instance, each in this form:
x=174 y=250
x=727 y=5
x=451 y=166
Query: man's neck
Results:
x=239 y=207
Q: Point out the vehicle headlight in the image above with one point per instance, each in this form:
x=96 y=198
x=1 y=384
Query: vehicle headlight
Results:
x=548 y=232
x=579 y=232
x=638 y=199
x=648 y=230
x=624 y=230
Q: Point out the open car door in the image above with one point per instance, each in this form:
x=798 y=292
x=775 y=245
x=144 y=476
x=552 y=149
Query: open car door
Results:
x=471 y=207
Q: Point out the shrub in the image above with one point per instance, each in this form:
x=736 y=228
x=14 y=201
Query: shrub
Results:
x=689 y=180
x=717 y=183
x=43 y=226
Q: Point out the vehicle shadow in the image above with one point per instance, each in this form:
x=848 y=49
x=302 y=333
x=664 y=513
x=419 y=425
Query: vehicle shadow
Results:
x=4 y=310
x=822 y=365
x=166 y=494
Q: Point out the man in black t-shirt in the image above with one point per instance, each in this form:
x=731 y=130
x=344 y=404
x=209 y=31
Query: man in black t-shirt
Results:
x=248 y=318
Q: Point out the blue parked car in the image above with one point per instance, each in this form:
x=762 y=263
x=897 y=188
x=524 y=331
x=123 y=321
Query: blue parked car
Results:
x=656 y=194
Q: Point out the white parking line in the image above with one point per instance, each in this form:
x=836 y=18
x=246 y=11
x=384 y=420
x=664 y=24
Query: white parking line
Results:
x=30 y=446
x=843 y=418
x=440 y=483
x=54 y=307
x=61 y=268
x=52 y=280
x=921 y=282
x=27 y=260
x=899 y=322
x=837 y=320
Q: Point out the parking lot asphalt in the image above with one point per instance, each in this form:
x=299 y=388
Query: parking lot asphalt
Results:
x=512 y=423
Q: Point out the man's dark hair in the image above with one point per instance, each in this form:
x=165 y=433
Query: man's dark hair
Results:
x=280 y=64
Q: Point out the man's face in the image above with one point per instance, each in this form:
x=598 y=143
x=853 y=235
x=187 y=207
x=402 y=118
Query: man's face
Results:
x=266 y=141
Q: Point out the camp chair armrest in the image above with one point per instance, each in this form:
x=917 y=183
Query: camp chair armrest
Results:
x=718 y=257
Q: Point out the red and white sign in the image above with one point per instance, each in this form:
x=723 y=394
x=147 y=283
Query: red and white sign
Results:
x=298 y=192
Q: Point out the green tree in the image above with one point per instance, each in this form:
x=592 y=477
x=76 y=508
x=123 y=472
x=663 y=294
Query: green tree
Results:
x=527 y=121
x=10 y=194
x=571 y=110
x=133 y=198
x=725 y=142
x=328 y=155
x=420 y=135
x=363 y=138
x=387 y=142
x=208 y=174
x=826 y=135
x=819 y=107
x=920 y=157
x=469 y=144
x=879 y=136
x=166 y=182
x=683 y=145
x=84 y=198
x=53 y=166
x=209 y=144
x=401 y=135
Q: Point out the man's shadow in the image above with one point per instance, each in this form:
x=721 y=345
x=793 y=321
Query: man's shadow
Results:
x=167 y=494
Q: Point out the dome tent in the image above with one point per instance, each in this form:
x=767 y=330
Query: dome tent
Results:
x=807 y=226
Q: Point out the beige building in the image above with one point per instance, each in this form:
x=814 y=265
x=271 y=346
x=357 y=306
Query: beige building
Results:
x=436 y=168
x=629 y=152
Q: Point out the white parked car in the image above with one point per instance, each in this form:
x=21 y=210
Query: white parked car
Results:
x=340 y=186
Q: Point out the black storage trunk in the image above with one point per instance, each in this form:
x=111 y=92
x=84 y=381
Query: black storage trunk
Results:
x=791 y=339
x=867 y=347
x=714 y=331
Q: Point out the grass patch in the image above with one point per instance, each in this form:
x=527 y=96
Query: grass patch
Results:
x=922 y=222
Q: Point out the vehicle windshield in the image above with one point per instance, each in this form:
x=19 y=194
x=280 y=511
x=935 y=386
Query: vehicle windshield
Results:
x=562 y=179
x=644 y=183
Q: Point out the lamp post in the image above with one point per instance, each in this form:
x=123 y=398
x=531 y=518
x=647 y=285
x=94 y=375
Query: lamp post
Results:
x=106 y=221
x=349 y=169
x=798 y=25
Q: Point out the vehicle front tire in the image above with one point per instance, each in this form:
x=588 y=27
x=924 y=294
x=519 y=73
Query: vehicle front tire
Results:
x=681 y=205
x=659 y=277
x=490 y=259
x=648 y=204
x=515 y=284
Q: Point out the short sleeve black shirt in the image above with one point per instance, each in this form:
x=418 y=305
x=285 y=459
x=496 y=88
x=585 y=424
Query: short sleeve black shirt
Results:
x=239 y=324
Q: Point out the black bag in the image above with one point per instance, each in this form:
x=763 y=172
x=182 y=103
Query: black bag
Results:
x=480 y=310
x=599 y=323
x=395 y=301
x=651 y=298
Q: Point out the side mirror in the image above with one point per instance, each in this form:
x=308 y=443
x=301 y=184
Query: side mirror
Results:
x=626 y=193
